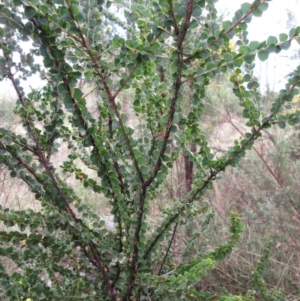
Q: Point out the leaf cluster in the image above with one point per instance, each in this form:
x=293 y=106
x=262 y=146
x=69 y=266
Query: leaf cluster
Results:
x=165 y=49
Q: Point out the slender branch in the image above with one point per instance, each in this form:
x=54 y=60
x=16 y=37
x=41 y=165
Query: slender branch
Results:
x=252 y=8
x=126 y=80
x=87 y=94
x=170 y=221
x=52 y=138
x=276 y=179
x=140 y=214
x=176 y=29
x=168 y=249
x=22 y=144
x=213 y=174
x=225 y=64
x=45 y=163
x=189 y=11
x=40 y=153
x=177 y=85
x=109 y=283
x=66 y=82
x=111 y=97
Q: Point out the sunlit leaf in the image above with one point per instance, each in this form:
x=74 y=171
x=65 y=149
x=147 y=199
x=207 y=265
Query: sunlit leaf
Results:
x=244 y=50
x=245 y=7
x=263 y=55
x=272 y=40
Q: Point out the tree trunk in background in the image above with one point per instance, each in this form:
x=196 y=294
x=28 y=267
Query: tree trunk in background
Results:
x=188 y=168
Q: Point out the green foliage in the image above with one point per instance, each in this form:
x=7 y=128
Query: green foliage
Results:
x=258 y=284
x=171 y=54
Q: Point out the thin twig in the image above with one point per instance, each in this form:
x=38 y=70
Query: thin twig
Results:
x=168 y=249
